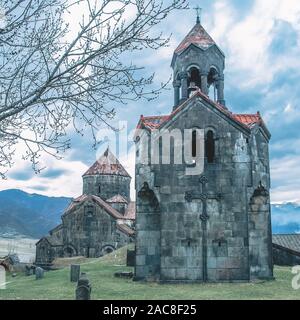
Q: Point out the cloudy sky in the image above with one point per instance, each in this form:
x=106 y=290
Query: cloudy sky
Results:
x=261 y=41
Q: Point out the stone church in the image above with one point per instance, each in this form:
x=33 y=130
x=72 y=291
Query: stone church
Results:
x=99 y=221
x=214 y=226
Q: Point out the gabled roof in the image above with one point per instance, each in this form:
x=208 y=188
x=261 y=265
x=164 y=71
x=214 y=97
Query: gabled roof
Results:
x=248 y=119
x=244 y=120
x=288 y=241
x=198 y=37
x=54 y=242
x=152 y=122
x=130 y=212
x=117 y=199
x=125 y=229
x=57 y=228
x=107 y=164
x=109 y=209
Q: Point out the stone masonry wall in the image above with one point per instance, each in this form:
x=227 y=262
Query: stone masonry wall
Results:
x=260 y=231
x=110 y=185
x=192 y=249
x=90 y=231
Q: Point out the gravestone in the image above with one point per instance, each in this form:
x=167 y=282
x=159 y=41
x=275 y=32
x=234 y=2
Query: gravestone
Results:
x=123 y=274
x=130 y=261
x=39 y=273
x=75 y=272
x=29 y=270
x=83 y=290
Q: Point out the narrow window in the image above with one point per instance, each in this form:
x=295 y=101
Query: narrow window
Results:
x=194 y=144
x=99 y=189
x=160 y=143
x=210 y=146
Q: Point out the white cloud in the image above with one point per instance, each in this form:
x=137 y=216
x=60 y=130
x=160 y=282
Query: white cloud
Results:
x=250 y=65
x=247 y=41
x=285 y=174
x=67 y=184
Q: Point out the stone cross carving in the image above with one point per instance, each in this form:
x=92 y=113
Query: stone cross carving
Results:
x=203 y=196
x=204 y=217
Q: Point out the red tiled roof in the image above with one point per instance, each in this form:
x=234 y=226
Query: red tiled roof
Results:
x=197 y=36
x=155 y=122
x=117 y=199
x=248 y=119
x=125 y=229
x=130 y=212
x=152 y=122
x=107 y=164
x=110 y=210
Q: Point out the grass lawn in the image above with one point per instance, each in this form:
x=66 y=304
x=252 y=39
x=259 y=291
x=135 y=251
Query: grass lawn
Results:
x=56 y=285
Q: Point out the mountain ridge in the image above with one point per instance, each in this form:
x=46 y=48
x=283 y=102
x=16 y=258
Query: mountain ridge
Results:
x=28 y=214
x=33 y=215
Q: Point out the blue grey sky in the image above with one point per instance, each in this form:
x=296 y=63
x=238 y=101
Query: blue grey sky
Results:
x=261 y=41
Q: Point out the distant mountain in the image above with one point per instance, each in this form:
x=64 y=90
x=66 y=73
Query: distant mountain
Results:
x=27 y=214
x=34 y=215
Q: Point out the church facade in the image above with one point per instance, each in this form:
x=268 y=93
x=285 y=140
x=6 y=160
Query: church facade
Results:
x=98 y=222
x=216 y=225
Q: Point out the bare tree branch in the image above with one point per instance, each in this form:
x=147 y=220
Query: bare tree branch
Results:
x=51 y=79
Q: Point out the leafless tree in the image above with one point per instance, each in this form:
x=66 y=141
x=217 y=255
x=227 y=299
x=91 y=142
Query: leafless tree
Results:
x=53 y=79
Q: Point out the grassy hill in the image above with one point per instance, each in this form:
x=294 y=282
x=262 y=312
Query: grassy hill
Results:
x=56 y=285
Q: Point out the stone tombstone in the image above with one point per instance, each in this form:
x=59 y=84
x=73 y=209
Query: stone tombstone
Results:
x=39 y=273
x=83 y=289
x=74 y=272
x=29 y=270
x=130 y=261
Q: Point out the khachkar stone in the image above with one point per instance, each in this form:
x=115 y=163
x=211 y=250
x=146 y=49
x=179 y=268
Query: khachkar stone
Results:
x=83 y=289
x=39 y=273
x=74 y=272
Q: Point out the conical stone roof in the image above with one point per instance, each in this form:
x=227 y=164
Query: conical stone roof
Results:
x=197 y=36
x=107 y=164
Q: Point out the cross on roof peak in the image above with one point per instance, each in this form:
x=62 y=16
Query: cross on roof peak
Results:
x=198 y=11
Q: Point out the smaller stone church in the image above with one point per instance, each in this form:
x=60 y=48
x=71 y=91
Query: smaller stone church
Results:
x=98 y=222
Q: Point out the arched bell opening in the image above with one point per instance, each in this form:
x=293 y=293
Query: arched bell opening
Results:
x=212 y=82
x=194 y=80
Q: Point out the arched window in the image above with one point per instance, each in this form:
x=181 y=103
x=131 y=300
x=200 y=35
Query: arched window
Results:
x=99 y=189
x=210 y=146
x=160 y=145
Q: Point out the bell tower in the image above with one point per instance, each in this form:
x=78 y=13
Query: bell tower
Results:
x=198 y=63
